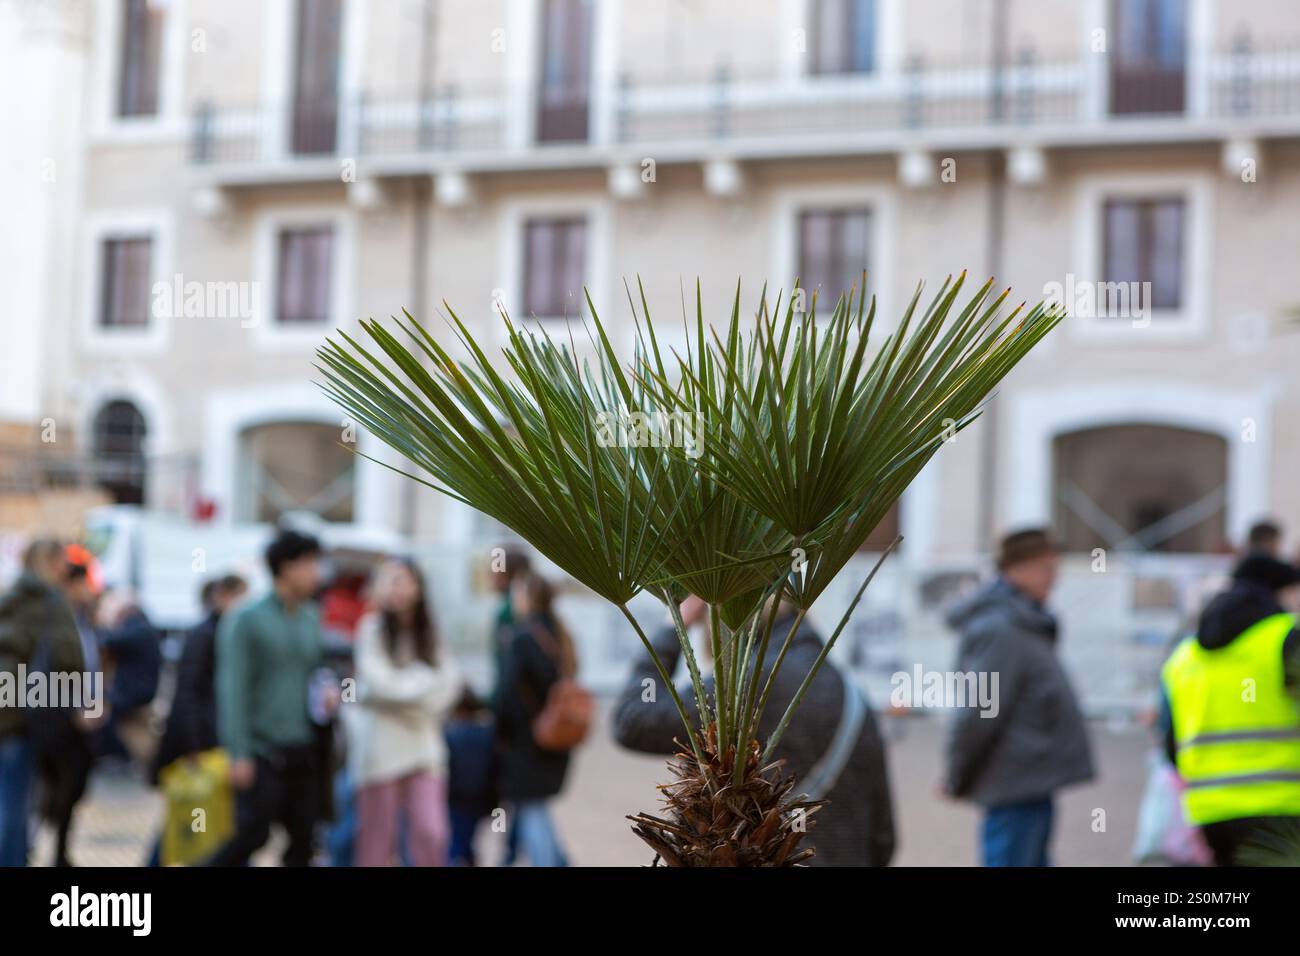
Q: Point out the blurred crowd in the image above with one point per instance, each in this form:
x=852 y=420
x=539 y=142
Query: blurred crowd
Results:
x=339 y=717
x=337 y=714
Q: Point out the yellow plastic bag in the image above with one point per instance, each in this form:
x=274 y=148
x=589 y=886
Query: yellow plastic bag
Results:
x=200 y=814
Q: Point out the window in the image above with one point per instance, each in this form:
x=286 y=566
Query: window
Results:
x=842 y=36
x=118 y=448
x=316 y=76
x=1146 y=487
x=137 y=93
x=125 y=283
x=303 y=275
x=832 y=251
x=295 y=466
x=1142 y=242
x=1148 y=68
x=555 y=252
x=566 y=71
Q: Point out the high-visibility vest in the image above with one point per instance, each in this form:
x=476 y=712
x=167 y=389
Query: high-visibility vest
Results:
x=1236 y=726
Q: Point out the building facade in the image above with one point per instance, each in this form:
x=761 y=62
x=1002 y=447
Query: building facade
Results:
x=253 y=174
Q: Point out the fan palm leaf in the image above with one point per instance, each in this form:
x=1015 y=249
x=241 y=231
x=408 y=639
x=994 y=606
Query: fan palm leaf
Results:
x=794 y=437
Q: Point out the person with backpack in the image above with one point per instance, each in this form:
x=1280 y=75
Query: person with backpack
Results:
x=832 y=746
x=541 y=715
x=35 y=623
x=397 y=757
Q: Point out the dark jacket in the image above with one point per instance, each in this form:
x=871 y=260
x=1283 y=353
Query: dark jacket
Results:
x=192 y=722
x=1224 y=618
x=857 y=827
x=471 y=765
x=30 y=613
x=1037 y=743
x=135 y=648
x=527 y=673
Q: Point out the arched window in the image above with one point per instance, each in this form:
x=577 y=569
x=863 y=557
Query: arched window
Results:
x=1141 y=487
x=118 y=448
x=295 y=466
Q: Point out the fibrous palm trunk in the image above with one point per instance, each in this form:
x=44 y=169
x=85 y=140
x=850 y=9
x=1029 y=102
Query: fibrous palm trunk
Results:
x=711 y=818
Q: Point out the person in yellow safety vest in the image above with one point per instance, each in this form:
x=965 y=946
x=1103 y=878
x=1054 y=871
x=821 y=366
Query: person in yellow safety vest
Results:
x=1231 y=708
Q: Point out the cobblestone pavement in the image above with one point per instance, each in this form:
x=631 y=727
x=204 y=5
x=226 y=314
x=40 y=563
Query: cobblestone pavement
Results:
x=116 y=823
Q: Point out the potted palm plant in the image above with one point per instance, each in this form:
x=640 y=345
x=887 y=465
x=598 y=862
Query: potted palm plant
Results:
x=746 y=468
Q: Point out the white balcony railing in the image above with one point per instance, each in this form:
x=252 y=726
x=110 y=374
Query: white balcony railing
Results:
x=1241 y=83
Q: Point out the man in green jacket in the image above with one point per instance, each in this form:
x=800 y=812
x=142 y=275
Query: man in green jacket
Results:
x=31 y=613
x=267 y=654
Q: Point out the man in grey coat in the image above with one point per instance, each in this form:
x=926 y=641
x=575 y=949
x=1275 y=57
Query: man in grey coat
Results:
x=832 y=745
x=1012 y=758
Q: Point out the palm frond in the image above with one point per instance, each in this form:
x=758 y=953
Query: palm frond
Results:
x=800 y=433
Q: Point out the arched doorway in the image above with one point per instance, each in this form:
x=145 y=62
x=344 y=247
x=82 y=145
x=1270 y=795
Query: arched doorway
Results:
x=118 y=433
x=295 y=466
x=1140 y=487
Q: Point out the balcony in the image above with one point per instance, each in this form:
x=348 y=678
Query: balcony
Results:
x=1240 y=90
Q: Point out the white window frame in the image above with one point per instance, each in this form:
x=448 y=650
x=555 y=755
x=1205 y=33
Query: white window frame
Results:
x=510 y=267
x=789 y=202
x=157 y=224
x=1191 y=320
x=1036 y=416
x=229 y=412
x=523 y=25
x=169 y=123
x=268 y=334
x=279 y=53
x=1201 y=35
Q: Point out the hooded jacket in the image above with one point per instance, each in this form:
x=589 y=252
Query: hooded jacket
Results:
x=30 y=613
x=857 y=827
x=1034 y=742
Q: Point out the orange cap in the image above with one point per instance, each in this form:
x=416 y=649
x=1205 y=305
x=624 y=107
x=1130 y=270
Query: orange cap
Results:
x=82 y=557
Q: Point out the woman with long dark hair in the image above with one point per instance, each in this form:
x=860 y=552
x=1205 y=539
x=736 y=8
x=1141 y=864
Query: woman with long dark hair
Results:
x=540 y=654
x=406 y=683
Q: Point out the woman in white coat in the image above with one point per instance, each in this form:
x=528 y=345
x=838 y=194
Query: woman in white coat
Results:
x=406 y=683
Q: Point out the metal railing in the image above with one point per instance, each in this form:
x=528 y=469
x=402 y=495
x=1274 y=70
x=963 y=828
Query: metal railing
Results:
x=37 y=469
x=1241 y=79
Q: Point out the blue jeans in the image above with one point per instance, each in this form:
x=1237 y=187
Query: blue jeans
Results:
x=16 y=764
x=536 y=833
x=1017 y=834
x=464 y=824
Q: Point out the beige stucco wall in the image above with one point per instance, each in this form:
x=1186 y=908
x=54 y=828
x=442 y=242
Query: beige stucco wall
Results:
x=677 y=231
